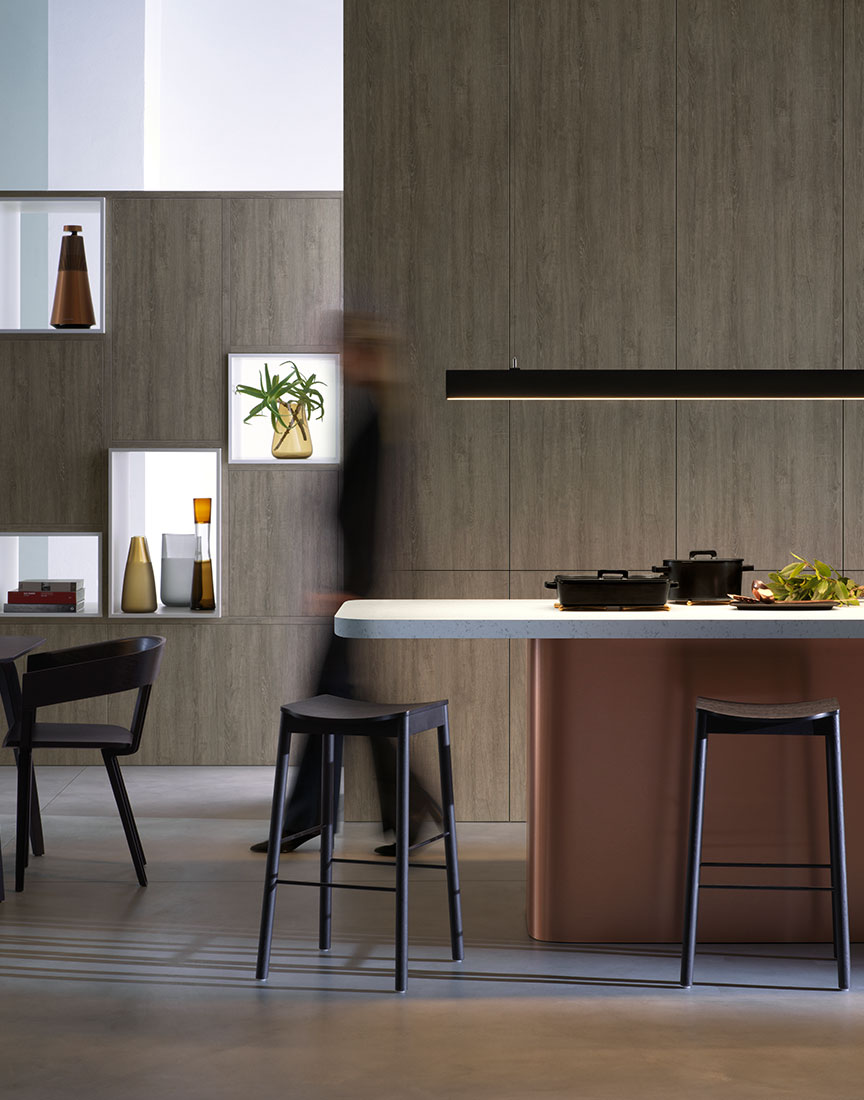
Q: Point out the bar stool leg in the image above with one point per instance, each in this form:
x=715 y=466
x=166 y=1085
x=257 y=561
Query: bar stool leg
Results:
x=832 y=836
x=694 y=851
x=325 y=894
x=271 y=873
x=454 y=896
x=403 y=750
x=839 y=891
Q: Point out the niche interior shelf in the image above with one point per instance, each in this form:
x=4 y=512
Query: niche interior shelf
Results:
x=52 y=555
x=250 y=443
x=31 y=230
x=151 y=493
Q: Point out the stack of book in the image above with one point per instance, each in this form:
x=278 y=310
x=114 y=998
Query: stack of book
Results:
x=46 y=597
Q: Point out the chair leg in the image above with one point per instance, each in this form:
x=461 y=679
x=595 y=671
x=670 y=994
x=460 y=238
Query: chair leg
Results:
x=125 y=809
x=37 y=841
x=839 y=892
x=126 y=814
x=22 y=820
x=403 y=770
x=328 y=826
x=454 y=896
x=694 y=852
x=271 y=871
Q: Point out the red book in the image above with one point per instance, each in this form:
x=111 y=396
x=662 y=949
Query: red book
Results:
x=43 y=597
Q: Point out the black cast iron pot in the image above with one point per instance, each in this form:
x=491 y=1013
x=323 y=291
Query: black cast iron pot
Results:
x=703 y=577
x=611 y=588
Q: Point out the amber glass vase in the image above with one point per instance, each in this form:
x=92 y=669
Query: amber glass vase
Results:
x=293 y=440
x=203 y=598
x=139 y=585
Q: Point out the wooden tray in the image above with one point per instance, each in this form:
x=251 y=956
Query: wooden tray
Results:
x=786 y=605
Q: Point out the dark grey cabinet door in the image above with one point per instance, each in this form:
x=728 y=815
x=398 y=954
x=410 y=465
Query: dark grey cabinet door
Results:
x=760 y=183
x=285 y=274
x=592 y=168
x=168 y=371
x=760 y=200
x=426 y=244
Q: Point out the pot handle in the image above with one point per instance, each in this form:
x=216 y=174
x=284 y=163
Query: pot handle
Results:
x=613 y=572
x=710 y=553
x=550 y=584
x=664 y=569
x=747 y=568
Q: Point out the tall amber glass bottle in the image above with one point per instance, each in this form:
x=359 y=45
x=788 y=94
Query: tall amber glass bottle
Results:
x=202 y=570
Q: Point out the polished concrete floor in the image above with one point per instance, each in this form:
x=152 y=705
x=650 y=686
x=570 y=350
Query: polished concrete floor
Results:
x=111 y=990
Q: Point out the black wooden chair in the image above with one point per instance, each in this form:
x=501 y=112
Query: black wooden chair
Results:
x=83 y=672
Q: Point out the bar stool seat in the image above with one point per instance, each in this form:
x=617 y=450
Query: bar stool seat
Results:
x=819 y=718
x=329 y=716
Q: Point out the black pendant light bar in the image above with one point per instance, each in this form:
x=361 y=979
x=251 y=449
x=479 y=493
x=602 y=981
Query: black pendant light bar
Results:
x=654 y=385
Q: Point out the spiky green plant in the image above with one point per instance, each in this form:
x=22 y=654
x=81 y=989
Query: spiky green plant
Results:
x=294 y=389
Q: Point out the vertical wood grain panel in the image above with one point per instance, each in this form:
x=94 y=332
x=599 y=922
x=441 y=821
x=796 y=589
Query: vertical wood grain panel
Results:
x=426 y=244
x=853 y=252
x=283 y=538
x=219 y=690
x=471 y=674
x=592 y=484
x=286 y=270
x=853 y=186
x=593 y=183
x=759 y=183
x=168 y=368
x=52 y=441
x=760 y=479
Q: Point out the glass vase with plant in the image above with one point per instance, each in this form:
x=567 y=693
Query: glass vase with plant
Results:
x=291 y=402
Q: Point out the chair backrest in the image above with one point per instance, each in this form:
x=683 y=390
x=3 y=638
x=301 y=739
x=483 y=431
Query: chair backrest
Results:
x=88 y=671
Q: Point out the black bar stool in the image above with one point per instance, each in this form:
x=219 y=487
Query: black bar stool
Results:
x=817 y=719
x=328 y=716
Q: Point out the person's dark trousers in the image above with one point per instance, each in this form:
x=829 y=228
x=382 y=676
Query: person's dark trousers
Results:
x=420 y=802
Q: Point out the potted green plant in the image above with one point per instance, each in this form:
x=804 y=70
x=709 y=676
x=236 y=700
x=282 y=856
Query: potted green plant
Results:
x=291 y=401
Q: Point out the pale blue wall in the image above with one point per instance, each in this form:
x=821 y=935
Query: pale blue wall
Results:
x=23 y=94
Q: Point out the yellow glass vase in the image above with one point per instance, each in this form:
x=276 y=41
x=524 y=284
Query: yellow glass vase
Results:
x=293 y=440
x=139 y=585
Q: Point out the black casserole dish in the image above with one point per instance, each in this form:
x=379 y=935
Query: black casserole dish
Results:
x=612 y=588
x=701 y=580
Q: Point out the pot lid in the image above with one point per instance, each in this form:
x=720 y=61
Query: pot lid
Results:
x=611 y=576
x=703 y=557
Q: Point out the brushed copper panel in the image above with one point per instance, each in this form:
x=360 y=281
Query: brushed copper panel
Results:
x=609 y=785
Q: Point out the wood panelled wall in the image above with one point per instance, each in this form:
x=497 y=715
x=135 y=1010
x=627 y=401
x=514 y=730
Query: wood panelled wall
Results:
x=189 y=278
x=605 y=183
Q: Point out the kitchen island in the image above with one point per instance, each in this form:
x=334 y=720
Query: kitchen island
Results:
x=610 y=742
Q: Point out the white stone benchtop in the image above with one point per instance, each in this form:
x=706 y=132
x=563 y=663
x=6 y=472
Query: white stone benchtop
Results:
x=540 y=619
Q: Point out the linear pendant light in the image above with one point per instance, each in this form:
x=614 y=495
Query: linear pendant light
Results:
x=654 y=385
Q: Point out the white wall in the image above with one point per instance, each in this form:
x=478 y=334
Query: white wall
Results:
x=96 y=95
x=251 y=95
x=209 y=95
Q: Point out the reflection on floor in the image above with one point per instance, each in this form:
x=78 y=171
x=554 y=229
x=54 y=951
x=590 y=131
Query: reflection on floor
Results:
x=111 y=990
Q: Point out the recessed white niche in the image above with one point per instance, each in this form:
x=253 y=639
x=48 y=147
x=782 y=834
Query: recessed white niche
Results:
x=31 y=230
x=151 y=493
x=250 y=442
x=51 y=556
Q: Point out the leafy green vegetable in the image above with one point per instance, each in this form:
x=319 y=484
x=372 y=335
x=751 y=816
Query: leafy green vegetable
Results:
x=804 y=580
